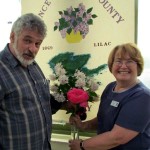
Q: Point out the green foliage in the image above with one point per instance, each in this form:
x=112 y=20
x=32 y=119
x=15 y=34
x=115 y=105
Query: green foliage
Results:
x=72 y=62
x=91 y=72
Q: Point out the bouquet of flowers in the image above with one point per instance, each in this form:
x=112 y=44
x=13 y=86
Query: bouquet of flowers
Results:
x=76 y=20
x=78 y=89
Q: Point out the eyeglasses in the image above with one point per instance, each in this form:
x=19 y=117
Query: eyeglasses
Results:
x=128 y=63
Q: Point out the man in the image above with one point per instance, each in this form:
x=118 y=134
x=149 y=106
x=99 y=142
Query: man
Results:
x=25 y=101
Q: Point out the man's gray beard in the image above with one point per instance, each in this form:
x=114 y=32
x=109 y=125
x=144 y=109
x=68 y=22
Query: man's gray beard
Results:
x=24 y=62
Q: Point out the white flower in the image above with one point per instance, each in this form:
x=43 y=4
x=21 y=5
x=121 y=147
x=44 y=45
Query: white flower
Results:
x=79 y=74
x=52 y=77
x=59 y=70
x=54 y=88
x=80 y=83
x=93 y=85
x=59 y=97
x=63 y=79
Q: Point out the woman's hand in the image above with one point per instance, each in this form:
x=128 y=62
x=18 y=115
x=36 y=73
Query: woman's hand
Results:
x=74 y=144
x=76 y=121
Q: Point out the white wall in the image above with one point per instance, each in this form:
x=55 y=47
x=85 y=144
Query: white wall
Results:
x=143 y=37
x=9 y=11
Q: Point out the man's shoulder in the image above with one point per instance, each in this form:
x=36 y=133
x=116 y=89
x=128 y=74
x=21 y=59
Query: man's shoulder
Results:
x=4 y=53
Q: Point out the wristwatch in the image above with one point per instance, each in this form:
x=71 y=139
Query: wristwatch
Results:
x=81 y=145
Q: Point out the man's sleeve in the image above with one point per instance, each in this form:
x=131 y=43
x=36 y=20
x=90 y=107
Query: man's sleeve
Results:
x=55 y=105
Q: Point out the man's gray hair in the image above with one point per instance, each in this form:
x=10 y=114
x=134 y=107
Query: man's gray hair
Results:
x=30 y=22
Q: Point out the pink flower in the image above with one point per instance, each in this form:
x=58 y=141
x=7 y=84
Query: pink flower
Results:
x=77 y=96
x=84 y=104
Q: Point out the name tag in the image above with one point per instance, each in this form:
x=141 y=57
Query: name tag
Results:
x=114 y=103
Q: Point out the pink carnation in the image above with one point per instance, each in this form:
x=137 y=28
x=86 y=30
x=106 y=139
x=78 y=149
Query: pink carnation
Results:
x=77 y=96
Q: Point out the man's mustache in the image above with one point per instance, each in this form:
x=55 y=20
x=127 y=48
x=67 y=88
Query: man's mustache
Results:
x=30 y=54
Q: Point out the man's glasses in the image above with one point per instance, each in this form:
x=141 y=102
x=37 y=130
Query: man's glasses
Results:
x=128 y=63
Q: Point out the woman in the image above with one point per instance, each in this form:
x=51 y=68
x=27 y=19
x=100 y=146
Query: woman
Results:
x=123 y=118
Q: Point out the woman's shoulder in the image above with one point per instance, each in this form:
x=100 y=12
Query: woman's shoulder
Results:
x=111 y=84
x=142 y=88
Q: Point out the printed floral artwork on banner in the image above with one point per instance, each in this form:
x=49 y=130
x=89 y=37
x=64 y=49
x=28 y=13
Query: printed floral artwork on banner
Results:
x=98 y=42
x=74 y=23
x=72 y=81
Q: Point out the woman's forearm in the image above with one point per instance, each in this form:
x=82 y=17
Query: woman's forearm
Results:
x=90 y=125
